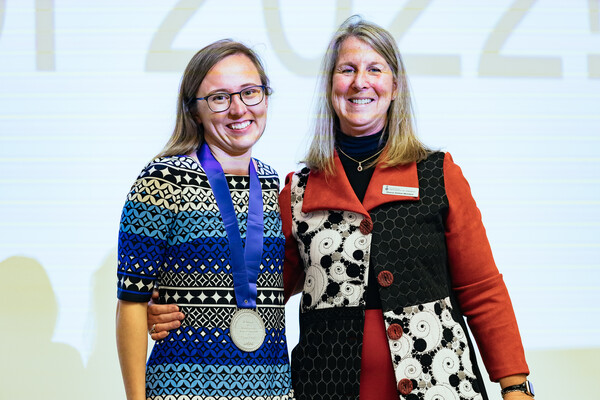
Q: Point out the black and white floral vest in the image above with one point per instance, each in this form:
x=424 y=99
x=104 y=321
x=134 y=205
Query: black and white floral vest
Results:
x=404 y=242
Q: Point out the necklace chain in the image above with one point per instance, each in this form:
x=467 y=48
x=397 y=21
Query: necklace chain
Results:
x=360 y=168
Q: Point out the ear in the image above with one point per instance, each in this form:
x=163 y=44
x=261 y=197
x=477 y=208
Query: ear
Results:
x=395 y=90
x=196 y=117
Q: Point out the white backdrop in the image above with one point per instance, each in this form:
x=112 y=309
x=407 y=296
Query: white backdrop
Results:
x=88 y=91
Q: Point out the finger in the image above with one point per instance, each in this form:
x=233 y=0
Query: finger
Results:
x=166 y=327
x=154 y=298
x=165 y=318
x=159 y=335
x=157 y=309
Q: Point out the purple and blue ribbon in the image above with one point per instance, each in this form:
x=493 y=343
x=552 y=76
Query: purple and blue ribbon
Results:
x=245 y=262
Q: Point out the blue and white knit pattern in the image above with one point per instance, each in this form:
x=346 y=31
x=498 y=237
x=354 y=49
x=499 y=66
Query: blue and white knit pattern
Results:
x=172 y=236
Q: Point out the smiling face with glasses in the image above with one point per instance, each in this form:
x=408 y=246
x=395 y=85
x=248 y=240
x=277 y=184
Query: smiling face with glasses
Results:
x=250 y=96
x=232 y=107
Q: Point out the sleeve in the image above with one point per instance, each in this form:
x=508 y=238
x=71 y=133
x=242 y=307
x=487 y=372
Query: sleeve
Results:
x=293 y=271
x=479 y=286
x=144 y=230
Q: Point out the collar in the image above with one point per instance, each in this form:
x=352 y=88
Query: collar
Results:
x=335 y=193
x=359 y=146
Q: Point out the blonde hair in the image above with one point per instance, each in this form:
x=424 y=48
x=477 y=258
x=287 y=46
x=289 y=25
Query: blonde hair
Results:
x=188 y=135
x=402 y=145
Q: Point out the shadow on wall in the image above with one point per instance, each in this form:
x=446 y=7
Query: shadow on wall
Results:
x=103 y=373
x=34 y=367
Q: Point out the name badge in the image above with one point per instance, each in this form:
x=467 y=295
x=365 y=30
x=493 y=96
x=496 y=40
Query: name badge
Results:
x=400 y=191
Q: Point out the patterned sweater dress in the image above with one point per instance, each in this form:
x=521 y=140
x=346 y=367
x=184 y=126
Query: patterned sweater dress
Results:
x=172 y=237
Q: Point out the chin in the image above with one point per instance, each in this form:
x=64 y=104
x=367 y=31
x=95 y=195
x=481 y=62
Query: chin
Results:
x=245 y=144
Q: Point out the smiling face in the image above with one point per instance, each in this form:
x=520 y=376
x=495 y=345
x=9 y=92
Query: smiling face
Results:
x=232 y=132
x=362 y=88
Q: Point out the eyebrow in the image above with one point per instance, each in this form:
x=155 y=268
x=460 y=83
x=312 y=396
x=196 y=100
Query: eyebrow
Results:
x=353 y=64
x=224 y=90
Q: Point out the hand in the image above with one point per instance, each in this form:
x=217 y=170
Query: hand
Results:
x=163 y=317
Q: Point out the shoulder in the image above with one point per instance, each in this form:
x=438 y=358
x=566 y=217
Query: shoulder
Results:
x=439 y=159
x=173 y=162
x=434 y=158
x=440 y=164
x=300 y=175
x=454 y=178
x=294 y=182
x=267 y=175
x=265 y=170
x=450 y=167
x=169 y=169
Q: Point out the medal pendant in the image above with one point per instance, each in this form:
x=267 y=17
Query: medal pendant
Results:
x=247 y=330
x=359 y=168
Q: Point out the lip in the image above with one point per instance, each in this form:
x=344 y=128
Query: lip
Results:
x=240 y=123
x=350 y=100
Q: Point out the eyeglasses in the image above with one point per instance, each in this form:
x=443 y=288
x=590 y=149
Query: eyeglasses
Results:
x=250 y=96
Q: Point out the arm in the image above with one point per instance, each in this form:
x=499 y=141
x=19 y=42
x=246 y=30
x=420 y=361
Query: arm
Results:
x=478 y=285
x=293 y=272
x=162 y=317
x=149 y=211
x=132 y=347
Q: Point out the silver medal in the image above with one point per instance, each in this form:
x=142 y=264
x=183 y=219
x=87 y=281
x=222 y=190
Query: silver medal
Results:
x=247 y=330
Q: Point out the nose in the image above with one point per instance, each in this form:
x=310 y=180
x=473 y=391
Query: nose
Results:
x=360 y=80
x=237 y=107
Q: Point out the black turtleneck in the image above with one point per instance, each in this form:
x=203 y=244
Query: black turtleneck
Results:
x=361 y=148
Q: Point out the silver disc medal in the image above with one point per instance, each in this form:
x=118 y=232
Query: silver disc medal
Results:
x=247 y=330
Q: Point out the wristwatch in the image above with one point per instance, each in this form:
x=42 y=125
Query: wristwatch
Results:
x=525 y=387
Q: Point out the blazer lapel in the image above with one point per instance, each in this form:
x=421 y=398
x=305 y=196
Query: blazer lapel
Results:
x=331 y=192
x=399 y=183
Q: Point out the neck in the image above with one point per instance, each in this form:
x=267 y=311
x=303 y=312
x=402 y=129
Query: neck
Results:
x=236 y=164
x=373 y=128
x=359 y=145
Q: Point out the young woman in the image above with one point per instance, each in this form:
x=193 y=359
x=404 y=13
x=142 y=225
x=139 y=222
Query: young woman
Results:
x=202 y=225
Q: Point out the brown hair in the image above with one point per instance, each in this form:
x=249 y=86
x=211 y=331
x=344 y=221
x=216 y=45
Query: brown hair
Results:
x=402 y=145
x=188 y=134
